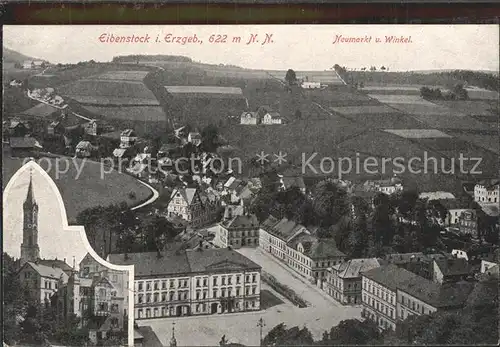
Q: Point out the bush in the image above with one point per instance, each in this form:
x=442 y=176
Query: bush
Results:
x=132 y=196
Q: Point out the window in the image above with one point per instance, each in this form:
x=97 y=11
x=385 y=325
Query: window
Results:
x=163 y=297
x=214 y=293
x=229 y=280
x=140 y=286
x=254 y=278
x=164 y=285
x=197 y=282
x=215 y=280
x=238 y=291
x=148 y=297
x=204 y=282
x=156 y=285
x=148 y=286
x=198 y=295
x=223 y=280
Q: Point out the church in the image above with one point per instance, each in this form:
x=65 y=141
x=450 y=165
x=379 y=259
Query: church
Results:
x=94 y=294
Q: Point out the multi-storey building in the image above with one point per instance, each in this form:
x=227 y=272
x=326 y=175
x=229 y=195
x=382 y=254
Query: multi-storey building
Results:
x=455 y=208
x=238 y=231
x=487 y=191
x=386 y=186
x=299 y=248
x=344 y=280
x=192 y=282
x=468 y=223
x=42 y=281
x=391 y=294
x=193 y=206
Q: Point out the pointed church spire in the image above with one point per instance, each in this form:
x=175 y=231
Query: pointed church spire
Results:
x=30 y=197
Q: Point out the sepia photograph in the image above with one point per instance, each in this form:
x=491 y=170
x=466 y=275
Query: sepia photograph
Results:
x=251 y=185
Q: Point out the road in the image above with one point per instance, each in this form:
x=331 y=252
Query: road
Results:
x=323 y=313
x=150 y=200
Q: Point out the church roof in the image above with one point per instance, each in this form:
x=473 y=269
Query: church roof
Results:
x=30 y=196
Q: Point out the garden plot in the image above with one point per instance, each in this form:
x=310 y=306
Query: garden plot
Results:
x=123 y=75
x=418 y=133
x=371 y=109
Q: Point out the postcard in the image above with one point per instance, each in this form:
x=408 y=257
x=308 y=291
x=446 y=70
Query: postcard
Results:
x=201 y=185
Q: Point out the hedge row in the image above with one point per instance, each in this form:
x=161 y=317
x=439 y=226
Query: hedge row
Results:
x=284 y=290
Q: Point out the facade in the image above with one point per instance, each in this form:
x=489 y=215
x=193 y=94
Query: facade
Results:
x=388 y=186
x=487 y=191
x=194 y=138
x=249 y=118
x=193 y=206
x=344 y=281
x=84 y=149
x=238 y=231
x=192 y=282
x=24 y=147
x=391 y=294
x=455 y=208
x=42 y=281
x=311 y=85
x=272 y=118
x=468 y=223
x=299 y=248
x=128 y=138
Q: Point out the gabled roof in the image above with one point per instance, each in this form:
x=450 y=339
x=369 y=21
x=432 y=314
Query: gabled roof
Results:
x=41 y=110
x=128 y=132
x=316 y=248
x=47 y=271
x=354 y=267
x=453 y=266
x=84 y=145
x=24 y=142
x=187 y=194
x=289 y=182
x=56 y=263
x=249 y=114
x=489 y=184
x=218 y=259
x=454 y=204
x=242 y=221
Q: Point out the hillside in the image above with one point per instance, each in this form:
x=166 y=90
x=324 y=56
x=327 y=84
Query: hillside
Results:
x=11 y=56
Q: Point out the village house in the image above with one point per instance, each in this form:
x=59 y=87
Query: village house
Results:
x=238 y=231
x=249 y=118
x=192 y=282
x=468 y=223
x=128 y=138
x=42 y=280
x=343 y=281
x=299 y=248
x=23 y=147
x=15 y=127
x=451 y=270
x=272 y=118
x=84 y=149
x=455 y=208
x=33 y=64
x=487 y=191
x=386 y=186
x=193 y=205
x=194 y=138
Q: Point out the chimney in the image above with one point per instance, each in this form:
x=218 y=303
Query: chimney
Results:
x=200 y=244
x=64 y=259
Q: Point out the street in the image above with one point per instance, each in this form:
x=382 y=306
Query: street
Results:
x=323 y=313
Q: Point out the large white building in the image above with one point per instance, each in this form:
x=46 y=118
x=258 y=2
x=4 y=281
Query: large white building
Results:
x=192 y=282
x=299 y=248
x=487 y=191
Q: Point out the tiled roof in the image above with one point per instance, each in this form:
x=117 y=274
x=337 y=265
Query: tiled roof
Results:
x=491 y=183
x=436 y=195
x=269 y=223
x=57 y=263
x=128 y=132
x=289 y=182
x=285 y=228
x=453 y=266
x=218 y=259
x=490 y=209
x=48 y=271
x=354 y=267
x=388 y=275
x=149 y=264
x=187 y=193
x=453 y=204
x=251 y=114
x=241 y=221
x=184 y=262
x=23 y=142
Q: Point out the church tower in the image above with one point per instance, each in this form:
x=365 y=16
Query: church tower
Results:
x=30 y=251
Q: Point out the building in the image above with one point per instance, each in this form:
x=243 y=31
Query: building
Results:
x=128 y=138
x=42 y=281
x=299 y=248
x=33 y=64
x=15 y=127
x=438 y=195
x=450 y=270
x=311 y=85
x=391 y=294
x=30 y=251
x=193 y=206
x=455 y=208
x=84 y=149
x=487 y=191
x=386 y=186
x=192 y=282
x=287 y=182
x=344 y=280
x=249 y=118
x=238 y=231
x=24 y=147
x=468 y=223
x=194 y=138
x=272 y=118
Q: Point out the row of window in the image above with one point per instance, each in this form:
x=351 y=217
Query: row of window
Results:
x=338 y=283
x=381 y=293
x=148 y=298
x=388 y=311
x=244 y=233
x=248 y=242
x=184 y=295
x=150 y=285
x=414 y=305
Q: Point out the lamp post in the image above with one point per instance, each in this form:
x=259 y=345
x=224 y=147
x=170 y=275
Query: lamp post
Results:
x=261 y=324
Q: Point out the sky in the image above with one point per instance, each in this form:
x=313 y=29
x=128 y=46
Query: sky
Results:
x=54 y=242
x=299 y=47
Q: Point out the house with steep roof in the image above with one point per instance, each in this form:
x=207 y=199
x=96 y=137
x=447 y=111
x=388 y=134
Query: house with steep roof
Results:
x=344 y=280
x=193 y=205
x=450 y=270
x=84 y=149
x=42 y=280
x=249 y=118
x=192 y=282
x=272 y=118
x=24 y=147
x=238 y=231
x=299 y=248
x=455 y=208
x=194 y=138
x=128 y=138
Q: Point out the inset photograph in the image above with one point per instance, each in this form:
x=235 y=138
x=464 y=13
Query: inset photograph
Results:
x=57 y=290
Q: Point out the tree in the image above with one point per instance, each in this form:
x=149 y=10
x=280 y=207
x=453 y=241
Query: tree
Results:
x=281 y=336
x=353 y=332
x=460 y=91
x=291 y=77
x=210 y=138
x=329 y=203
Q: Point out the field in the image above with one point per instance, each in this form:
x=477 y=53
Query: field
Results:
x=400 y=99
x=385 y=121
x=418 y=133
x=176 y=90
x=482 y=94
x=85 y=191
x=375 y=109
x=427 y=109
x=123 y=75
x=110 y=92
x=139 y=113
x=489 y=142
x=469 y=107
x=451 y=122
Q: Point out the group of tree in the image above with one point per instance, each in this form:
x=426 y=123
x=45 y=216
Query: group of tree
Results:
x=117 y=229
x=150 y=58
x=458 y=92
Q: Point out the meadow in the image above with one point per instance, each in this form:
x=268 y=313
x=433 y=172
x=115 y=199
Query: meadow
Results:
x=139 y=113
x=87 y=190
